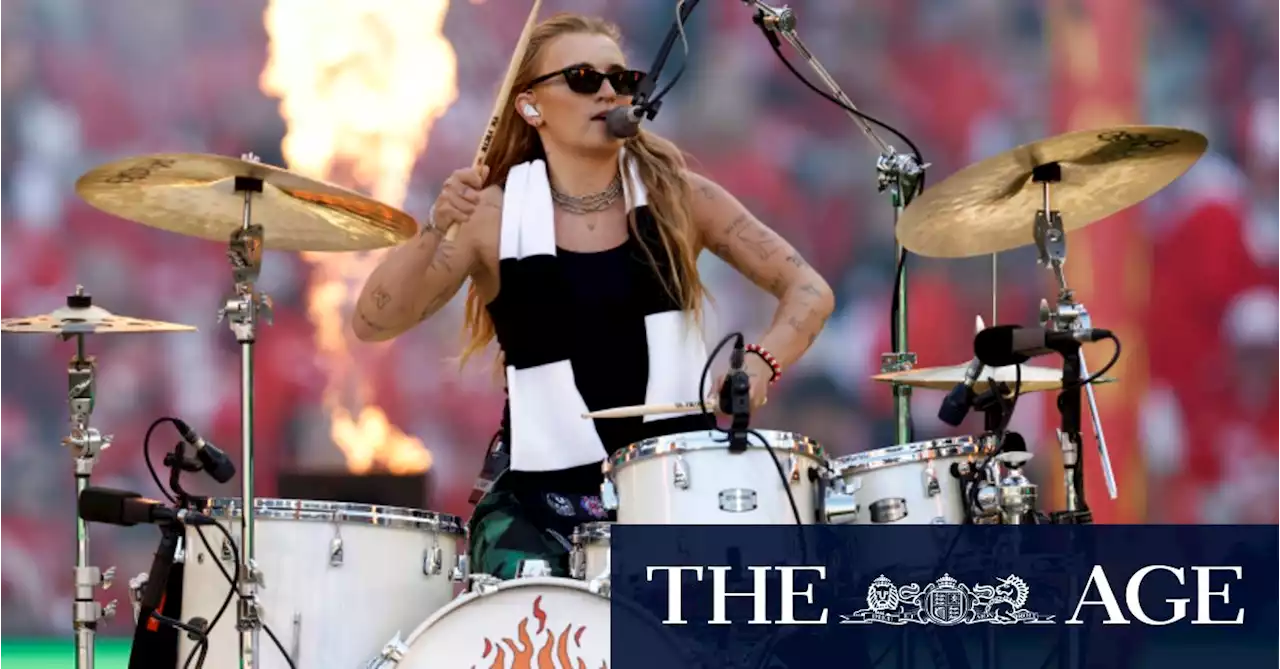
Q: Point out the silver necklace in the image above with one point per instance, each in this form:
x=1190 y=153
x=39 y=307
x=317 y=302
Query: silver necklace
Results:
x=587 y=204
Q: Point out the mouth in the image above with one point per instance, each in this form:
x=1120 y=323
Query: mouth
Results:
x=600 y=117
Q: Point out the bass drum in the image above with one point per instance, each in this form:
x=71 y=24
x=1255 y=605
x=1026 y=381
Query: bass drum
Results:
x=538 y=621
x=339 y=578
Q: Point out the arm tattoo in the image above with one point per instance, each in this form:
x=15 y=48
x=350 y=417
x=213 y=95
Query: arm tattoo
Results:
x=444 y=257
x=369 y=323
x=796 y=260
x=381 y=297
x=754 y=236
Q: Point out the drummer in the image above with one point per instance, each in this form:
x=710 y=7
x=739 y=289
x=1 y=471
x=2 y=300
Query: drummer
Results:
x=582 y=253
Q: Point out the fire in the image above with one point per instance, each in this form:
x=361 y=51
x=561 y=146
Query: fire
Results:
x=360 y=84
x=553 y=654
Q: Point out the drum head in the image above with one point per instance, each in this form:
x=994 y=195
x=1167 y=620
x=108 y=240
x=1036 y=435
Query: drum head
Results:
x=533 y=622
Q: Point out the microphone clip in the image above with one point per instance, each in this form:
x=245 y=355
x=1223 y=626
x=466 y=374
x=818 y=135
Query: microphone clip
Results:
x=735 y=398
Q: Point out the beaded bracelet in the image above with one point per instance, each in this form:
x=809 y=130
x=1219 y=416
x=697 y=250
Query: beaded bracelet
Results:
x=766 y=356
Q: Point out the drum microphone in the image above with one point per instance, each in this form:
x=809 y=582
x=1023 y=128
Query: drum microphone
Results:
x=125 y=508
x=956 y=405
x=735 y=397
x=624 y=122
x=1004 y=345
x=212 y=458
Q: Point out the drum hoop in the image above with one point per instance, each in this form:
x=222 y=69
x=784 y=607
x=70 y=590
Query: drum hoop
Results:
x=902 y=454
x=591 y=533
x=510 y=584
x=791 y=443
x=346 y=513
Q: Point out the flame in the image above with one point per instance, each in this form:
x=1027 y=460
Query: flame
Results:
x=552 y=654
x=360 y=84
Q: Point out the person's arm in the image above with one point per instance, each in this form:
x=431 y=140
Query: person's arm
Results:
x=805 y=301
x=419 y=277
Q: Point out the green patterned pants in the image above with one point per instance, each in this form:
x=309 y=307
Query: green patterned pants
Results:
x=502 y=535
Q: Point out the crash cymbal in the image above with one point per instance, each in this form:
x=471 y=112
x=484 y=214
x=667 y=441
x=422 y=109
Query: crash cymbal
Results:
x=194 y=195
x=1034 y=379
x=80 y=316
x=990 y=206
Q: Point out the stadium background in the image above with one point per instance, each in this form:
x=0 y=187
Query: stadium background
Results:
x=1188 y=279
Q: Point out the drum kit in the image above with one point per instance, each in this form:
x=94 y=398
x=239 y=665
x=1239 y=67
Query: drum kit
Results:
x=344 y=578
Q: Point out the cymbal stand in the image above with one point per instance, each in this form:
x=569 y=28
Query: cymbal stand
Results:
x=898 y=174
x=242 y=310
x=85 y=443
x=1068 y=315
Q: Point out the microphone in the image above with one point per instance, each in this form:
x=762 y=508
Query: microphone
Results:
x=1004 y=345
x=214 y=460
x=735 y=397
x=624 y=122
x=125 y=508
x=956 y=405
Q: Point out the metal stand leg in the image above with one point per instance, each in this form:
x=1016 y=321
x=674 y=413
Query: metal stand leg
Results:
x=242 y=311
x=1067 y=315
x=900 y=176
x=85 y=443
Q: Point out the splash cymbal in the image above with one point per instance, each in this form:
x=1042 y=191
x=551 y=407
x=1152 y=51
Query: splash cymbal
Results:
x=990 y=206
x=195 y=195
x=1034 y=379
x=80 y=316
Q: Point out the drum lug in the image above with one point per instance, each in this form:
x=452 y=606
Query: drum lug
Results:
x=461 y=569
x=931 y=486
x=483 y=584
x=793 y=466
x=295 y=649
x=228 y=553
x=335 y=544
x=136 y=585
x=391 y=654
x=608 y=495
x=432 y=561
x=680 y=473
x=578 y=563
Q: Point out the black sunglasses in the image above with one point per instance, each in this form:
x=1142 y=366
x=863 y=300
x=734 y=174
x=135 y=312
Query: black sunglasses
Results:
x=588 y=80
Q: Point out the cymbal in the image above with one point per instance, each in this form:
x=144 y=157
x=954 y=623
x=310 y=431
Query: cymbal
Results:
x=80 y=316
x=1034 y=379
x=990 y=206
x=194 y=195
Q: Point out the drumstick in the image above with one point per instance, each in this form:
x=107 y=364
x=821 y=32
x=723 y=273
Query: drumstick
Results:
x=651 y=409
x=504 y=97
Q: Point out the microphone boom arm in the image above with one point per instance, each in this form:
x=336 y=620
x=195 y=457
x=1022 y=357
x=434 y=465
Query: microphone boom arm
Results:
x=900 y=174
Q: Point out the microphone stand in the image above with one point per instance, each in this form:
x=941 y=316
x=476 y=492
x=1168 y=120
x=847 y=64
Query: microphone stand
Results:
x=735 y=398
x=898 y=174
x=1068 y=315
x=645 y=90
x=85 y=443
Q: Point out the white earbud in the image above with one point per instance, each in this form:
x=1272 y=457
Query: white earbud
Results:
x=531 y=111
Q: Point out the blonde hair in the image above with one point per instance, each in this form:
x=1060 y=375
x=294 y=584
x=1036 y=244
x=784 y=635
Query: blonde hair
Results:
x=660 y=165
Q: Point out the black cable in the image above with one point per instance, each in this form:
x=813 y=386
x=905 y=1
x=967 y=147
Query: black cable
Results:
x=1115 y=357
x=202 y=645
x=899 y=271
x=702 y=385
x=681 y=15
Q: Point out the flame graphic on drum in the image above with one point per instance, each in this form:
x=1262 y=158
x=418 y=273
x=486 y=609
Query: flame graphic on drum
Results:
x=552 y=654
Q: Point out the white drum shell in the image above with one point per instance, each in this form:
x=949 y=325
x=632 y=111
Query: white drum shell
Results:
x=331 y=615
x=577 y=629
x=693 y=479
x=591 y=550
x=913 y=477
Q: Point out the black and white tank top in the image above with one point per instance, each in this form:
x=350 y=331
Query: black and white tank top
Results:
x=583 y=332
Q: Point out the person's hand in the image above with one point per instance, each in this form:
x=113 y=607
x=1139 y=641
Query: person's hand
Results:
x=459 y=197
x=758 y=373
